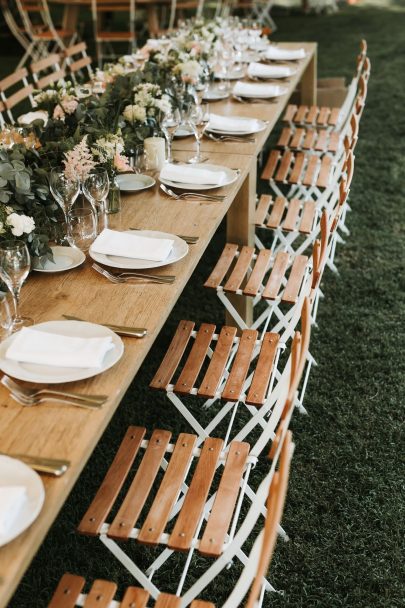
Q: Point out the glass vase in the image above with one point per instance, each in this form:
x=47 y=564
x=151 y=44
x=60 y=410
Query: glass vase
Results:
x=113 y=201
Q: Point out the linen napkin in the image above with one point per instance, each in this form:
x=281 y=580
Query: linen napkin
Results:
x=128 y=245
x=28 y=119
x=260 y=70
x=192 y=175
x=12 y=498
x=231 y=124
x=248 y=89
x=276 y=53
x=43 y=348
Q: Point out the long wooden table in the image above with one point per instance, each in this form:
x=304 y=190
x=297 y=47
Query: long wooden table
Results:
x=70 y=433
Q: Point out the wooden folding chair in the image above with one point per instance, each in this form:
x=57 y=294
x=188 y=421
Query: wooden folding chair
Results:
x=15 y=89
x=46 y=72
x=13 y=20
x=77 y=60
x=105 y=37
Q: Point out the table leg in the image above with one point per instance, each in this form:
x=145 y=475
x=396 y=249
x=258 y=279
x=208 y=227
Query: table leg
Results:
x=309 y=82
x=240 y=230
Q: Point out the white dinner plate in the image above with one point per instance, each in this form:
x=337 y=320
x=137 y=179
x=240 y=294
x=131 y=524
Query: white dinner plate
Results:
x=214 y=94
x=134 y=182
x=65 y=258
x=279 y=72
x=183 y=131
x=13 y=472
x=276 y=53
x=179 y=250
x=48 y=374
x=231 y=176
x=260 y=125
x=276 y=91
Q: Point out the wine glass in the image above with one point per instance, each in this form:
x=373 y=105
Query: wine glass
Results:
x=198 y=118
x=64 y=190
x=6 y=319
x=169 y=124
x=82 y=228
x=95 y=188
x=15 y=264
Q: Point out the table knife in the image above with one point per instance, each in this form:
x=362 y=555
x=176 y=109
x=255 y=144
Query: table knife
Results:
x=122 y=330
x=49 y=466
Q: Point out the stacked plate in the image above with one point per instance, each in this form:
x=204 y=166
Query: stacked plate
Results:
x=250 y=90
x=201 y=176
x=234 y=125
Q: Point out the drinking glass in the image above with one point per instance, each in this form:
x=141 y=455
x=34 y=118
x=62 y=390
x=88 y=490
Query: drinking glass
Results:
x=82 y=228
x=64 y=191
x=146 y=161
x=6 y=319
x=169 y=125
x=95 y=188
x=198 y=118
x=15 y=264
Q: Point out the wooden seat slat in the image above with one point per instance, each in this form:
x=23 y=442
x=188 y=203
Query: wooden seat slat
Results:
x=135 y=597
x=311 y=169
x=112 y=483
x=74 y=49
x=173 y=356
x=312 y=114
x=293 y=210
x=301 y=114
x=297 y=138
x=224 y=504
x=334 y=139
x=309 y=139
x=114 y=36
x=186 y=525
x=276 y=276
x=295 y=175
x=222 y=266
x=45 y=63
x=323 y=116
x=322 y=140
x=264 y=367
x=284 y=166
x=262 y=209
x=216 y=368
x=201 y=604
x=141 y=485
x=166 y=600
x=285 y=137
x=67 y=592
x=334 y=116
x=324 y=172
x=276 y=212
x=101 y=594
x=259 y=270
x=195 y=359
x=239 y=272
x=290 y=113
x=307 y=217
x=44 y=82
x=9 y=81
x=168 y=491
x=14 y=99
x=236 y=379
x=77 y=65
x=293 y=286
x=271 y=165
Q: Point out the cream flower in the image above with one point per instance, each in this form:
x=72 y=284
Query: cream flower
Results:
x=134 y=113
x=20 y=224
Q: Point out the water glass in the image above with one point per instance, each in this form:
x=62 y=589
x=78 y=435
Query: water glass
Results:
x=6 y=319
x=169 y=125
x=82 y=228
x=198 y=118
x=64 y=191
x=15 y=264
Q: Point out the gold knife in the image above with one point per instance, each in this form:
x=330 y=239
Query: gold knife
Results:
x=49 y=466
x=122 y=330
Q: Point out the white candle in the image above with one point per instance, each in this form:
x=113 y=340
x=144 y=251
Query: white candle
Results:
x=155 y=148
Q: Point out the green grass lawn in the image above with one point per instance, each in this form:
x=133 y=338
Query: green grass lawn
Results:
x=344 y=510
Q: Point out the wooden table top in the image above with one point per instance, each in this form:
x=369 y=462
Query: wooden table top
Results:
x=70 y=433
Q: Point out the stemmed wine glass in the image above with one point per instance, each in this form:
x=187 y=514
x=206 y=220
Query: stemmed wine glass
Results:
x=65 y=191
x=198 y=118
x=6 y=319
x=15 y=264
x=170 y=121
x=95 y=188
x=82 y=227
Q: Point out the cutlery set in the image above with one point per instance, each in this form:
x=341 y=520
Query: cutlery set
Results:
x=241 y=138
x=189 y=195
x=123 y=277
x=254 y=99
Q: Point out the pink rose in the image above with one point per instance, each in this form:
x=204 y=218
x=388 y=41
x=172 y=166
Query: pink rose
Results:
x=58 y=113
x=70 y=106
x=121 y=163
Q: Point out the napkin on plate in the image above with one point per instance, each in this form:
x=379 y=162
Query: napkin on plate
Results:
x=28 y=119
x=12 y=498
x=131 y=245
x=248 y=89
x=260 y=70
x=276 y=53
x=44 y=348
x=231 y=124
x=193 y=175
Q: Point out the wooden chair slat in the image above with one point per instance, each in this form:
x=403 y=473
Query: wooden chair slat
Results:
x=310 y=172
x=307 y=217
x=67 y=592
x=285 y=137
x=309 y=139
x=271 y=165
x=324 y=172
x=262 y=209
x=141 y=485
x=195 y=359
x=334 y=116
x=14 y=99
x=216 y=368
x=295 y=175
x=297 y=138
x=47 y=62
x=101 y=594
x=293 y=286
x=276 y=276
x=322 y=141
x=74 y=49
x=301 y=114
x=323 y=116
x=312 y=114
x=239 y=272
x=135 y=597
x=12 y=79
x=259 y=270
x=334 y=140
x=290 y=113
x=168 y=491
x=236 y=379
x=264 y=367
x=284 y=166
x=190 y=514
x=201 y=604
x=114 y=36
x=276 y=212
x=75 y=66
x=293 y=210
x=112 y=483
x=50 y=78
x=173 y=356
x=224 y=504
x=166 y=600
x=222 y=266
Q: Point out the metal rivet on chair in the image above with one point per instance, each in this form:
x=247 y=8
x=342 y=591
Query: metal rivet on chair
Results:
x=182 y=534
x=66 y=591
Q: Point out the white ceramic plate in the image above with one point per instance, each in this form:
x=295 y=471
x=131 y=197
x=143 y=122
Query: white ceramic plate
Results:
x=276 y=91
x=183 y=131
x=260 y=125
x=276 y=53
x=279 y=72
x=65 y=258
x=133 y=182
x=215 y=95
x=48 y=374
x=180 y=249
x=15 y=473
x=231 y=176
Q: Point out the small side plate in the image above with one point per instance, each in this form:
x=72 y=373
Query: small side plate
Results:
x=65 y=258
x=133 y=182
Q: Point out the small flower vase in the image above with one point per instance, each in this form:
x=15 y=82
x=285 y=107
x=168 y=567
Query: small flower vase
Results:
x=113 y=201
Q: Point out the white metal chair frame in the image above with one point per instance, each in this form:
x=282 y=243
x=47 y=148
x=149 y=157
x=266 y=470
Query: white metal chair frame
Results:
x=10 y=101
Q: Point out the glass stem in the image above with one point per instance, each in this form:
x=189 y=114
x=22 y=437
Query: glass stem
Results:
x=198 y=148
x=169 y=149
x=16 y=301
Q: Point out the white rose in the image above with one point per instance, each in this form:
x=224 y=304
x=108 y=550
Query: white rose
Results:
x=20 y=224
x=133 y=113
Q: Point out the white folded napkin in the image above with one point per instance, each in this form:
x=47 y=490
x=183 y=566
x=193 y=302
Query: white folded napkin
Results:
x=192 y=175
x=231 y=123
x=131 y=245
x=12 y=498
x=260 y=70
x=44 y=348
x=249 y=89
x=28 y=119
x=276 y=53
